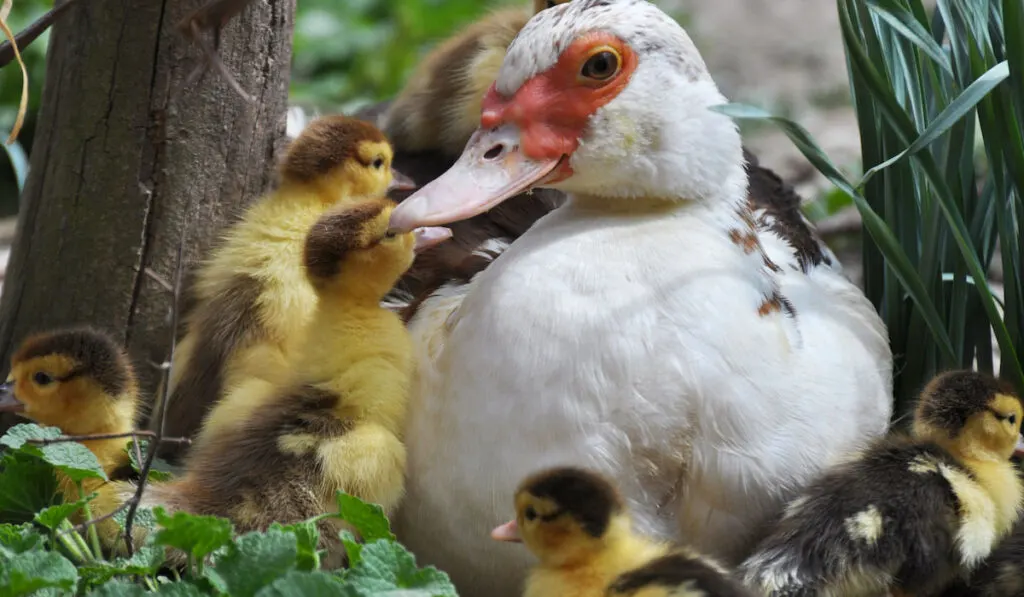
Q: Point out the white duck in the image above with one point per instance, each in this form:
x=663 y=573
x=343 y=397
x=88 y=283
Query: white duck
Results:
x=652 y=328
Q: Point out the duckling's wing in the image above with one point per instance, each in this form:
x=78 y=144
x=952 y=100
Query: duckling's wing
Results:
x=677 y=575
x=1001 y=574
x=886 y=517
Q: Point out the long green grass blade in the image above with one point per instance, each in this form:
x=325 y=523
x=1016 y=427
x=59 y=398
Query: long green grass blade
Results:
x=903 y=22
x=952 y=114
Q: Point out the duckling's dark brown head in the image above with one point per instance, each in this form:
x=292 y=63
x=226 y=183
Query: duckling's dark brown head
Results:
x=564 y=513
x=343 y=158
x=970 y=412
x=351 y=248
x=77 y=379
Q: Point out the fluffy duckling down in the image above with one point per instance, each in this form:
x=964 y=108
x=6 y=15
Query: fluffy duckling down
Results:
x=1001 y=574
x=439 y=107
x=910 y=514
x=251 y=297
x=79 y=380
x=337 y=424
x=577 y=525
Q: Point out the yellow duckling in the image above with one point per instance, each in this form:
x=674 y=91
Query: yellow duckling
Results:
x=337 y=423
x=577 y=525
x=79 y=380
x=252 y=296
x=910 y=514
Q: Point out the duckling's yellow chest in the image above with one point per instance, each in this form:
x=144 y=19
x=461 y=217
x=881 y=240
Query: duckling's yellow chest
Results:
x=587 y=581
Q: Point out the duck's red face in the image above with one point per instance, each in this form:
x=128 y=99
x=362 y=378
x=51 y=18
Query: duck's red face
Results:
x=525 y=139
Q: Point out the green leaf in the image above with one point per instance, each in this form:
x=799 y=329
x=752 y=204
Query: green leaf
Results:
x=254 y=561
x=196 y=535
x=307 y=540
x=353 y=547
x=74 y=460
x=19 y=538
x=25 y=573
x=301 y=584
x=17 y=436
x=368 y=519
x=144 y=518
x=386 y=566
x=27 y=485
x=118 y=588
x=159 y=470
x=145 y=562
x=54 y=515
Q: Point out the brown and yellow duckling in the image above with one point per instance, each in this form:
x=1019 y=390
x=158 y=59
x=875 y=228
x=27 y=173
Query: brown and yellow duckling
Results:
x=911 y=514
x=577 y=525
x=251 y=297
x=1002 y=572
x=337 y=424
x=80 y=381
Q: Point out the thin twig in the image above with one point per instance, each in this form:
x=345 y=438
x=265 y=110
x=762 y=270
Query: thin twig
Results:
x=151 y=448
x=212 y=16
x=30 y=33
x=83 y=438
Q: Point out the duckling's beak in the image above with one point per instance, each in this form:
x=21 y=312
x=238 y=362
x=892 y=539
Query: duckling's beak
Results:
x=507 y=532
x=1019 y=450
x=400 y=182
x=8 y=403
x=429 y=236
x=491 y=169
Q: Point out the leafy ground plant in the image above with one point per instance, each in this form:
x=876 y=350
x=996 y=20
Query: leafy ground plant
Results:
x=43 y=553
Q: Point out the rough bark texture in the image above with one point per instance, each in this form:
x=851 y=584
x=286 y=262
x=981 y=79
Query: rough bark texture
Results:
x=126 y=160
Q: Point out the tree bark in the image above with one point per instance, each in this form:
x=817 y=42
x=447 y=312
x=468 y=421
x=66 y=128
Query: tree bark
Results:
x=127 y=162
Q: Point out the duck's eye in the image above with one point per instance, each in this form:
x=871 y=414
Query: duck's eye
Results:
x=1012 y=419
x=530 y=513
x=42 y=379
x=389 y=235
x=378 y=163
x=601 y=66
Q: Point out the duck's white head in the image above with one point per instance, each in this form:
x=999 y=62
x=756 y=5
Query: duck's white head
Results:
x=601 y=98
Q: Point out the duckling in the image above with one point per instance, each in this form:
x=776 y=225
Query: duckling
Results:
x=79 y=380
x=337 y=423
x=439 y=107
x=577 y=525
x=251 y=296
x=911 y=513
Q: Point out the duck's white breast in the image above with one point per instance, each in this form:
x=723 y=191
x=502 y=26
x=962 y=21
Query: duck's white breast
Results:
x=633 y=346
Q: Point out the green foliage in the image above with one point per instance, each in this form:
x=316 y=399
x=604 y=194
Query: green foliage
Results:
x=934 y=208
x=46 y=556
x=160 y=470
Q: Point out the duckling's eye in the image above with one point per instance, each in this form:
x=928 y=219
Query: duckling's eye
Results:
x=530 y=513
x=378 y=163
x=1012 y=419
x=389 y=235
x=42 y=379
x=601 y=66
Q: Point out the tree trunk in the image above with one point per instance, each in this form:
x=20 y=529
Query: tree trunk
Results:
x=128 y=161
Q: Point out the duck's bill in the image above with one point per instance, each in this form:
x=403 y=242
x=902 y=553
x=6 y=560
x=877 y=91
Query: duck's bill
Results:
x=400 y=182
x=1019 y=450
x=8 y=403
x=491 y=169
x=429 y=236
x=507 y=532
